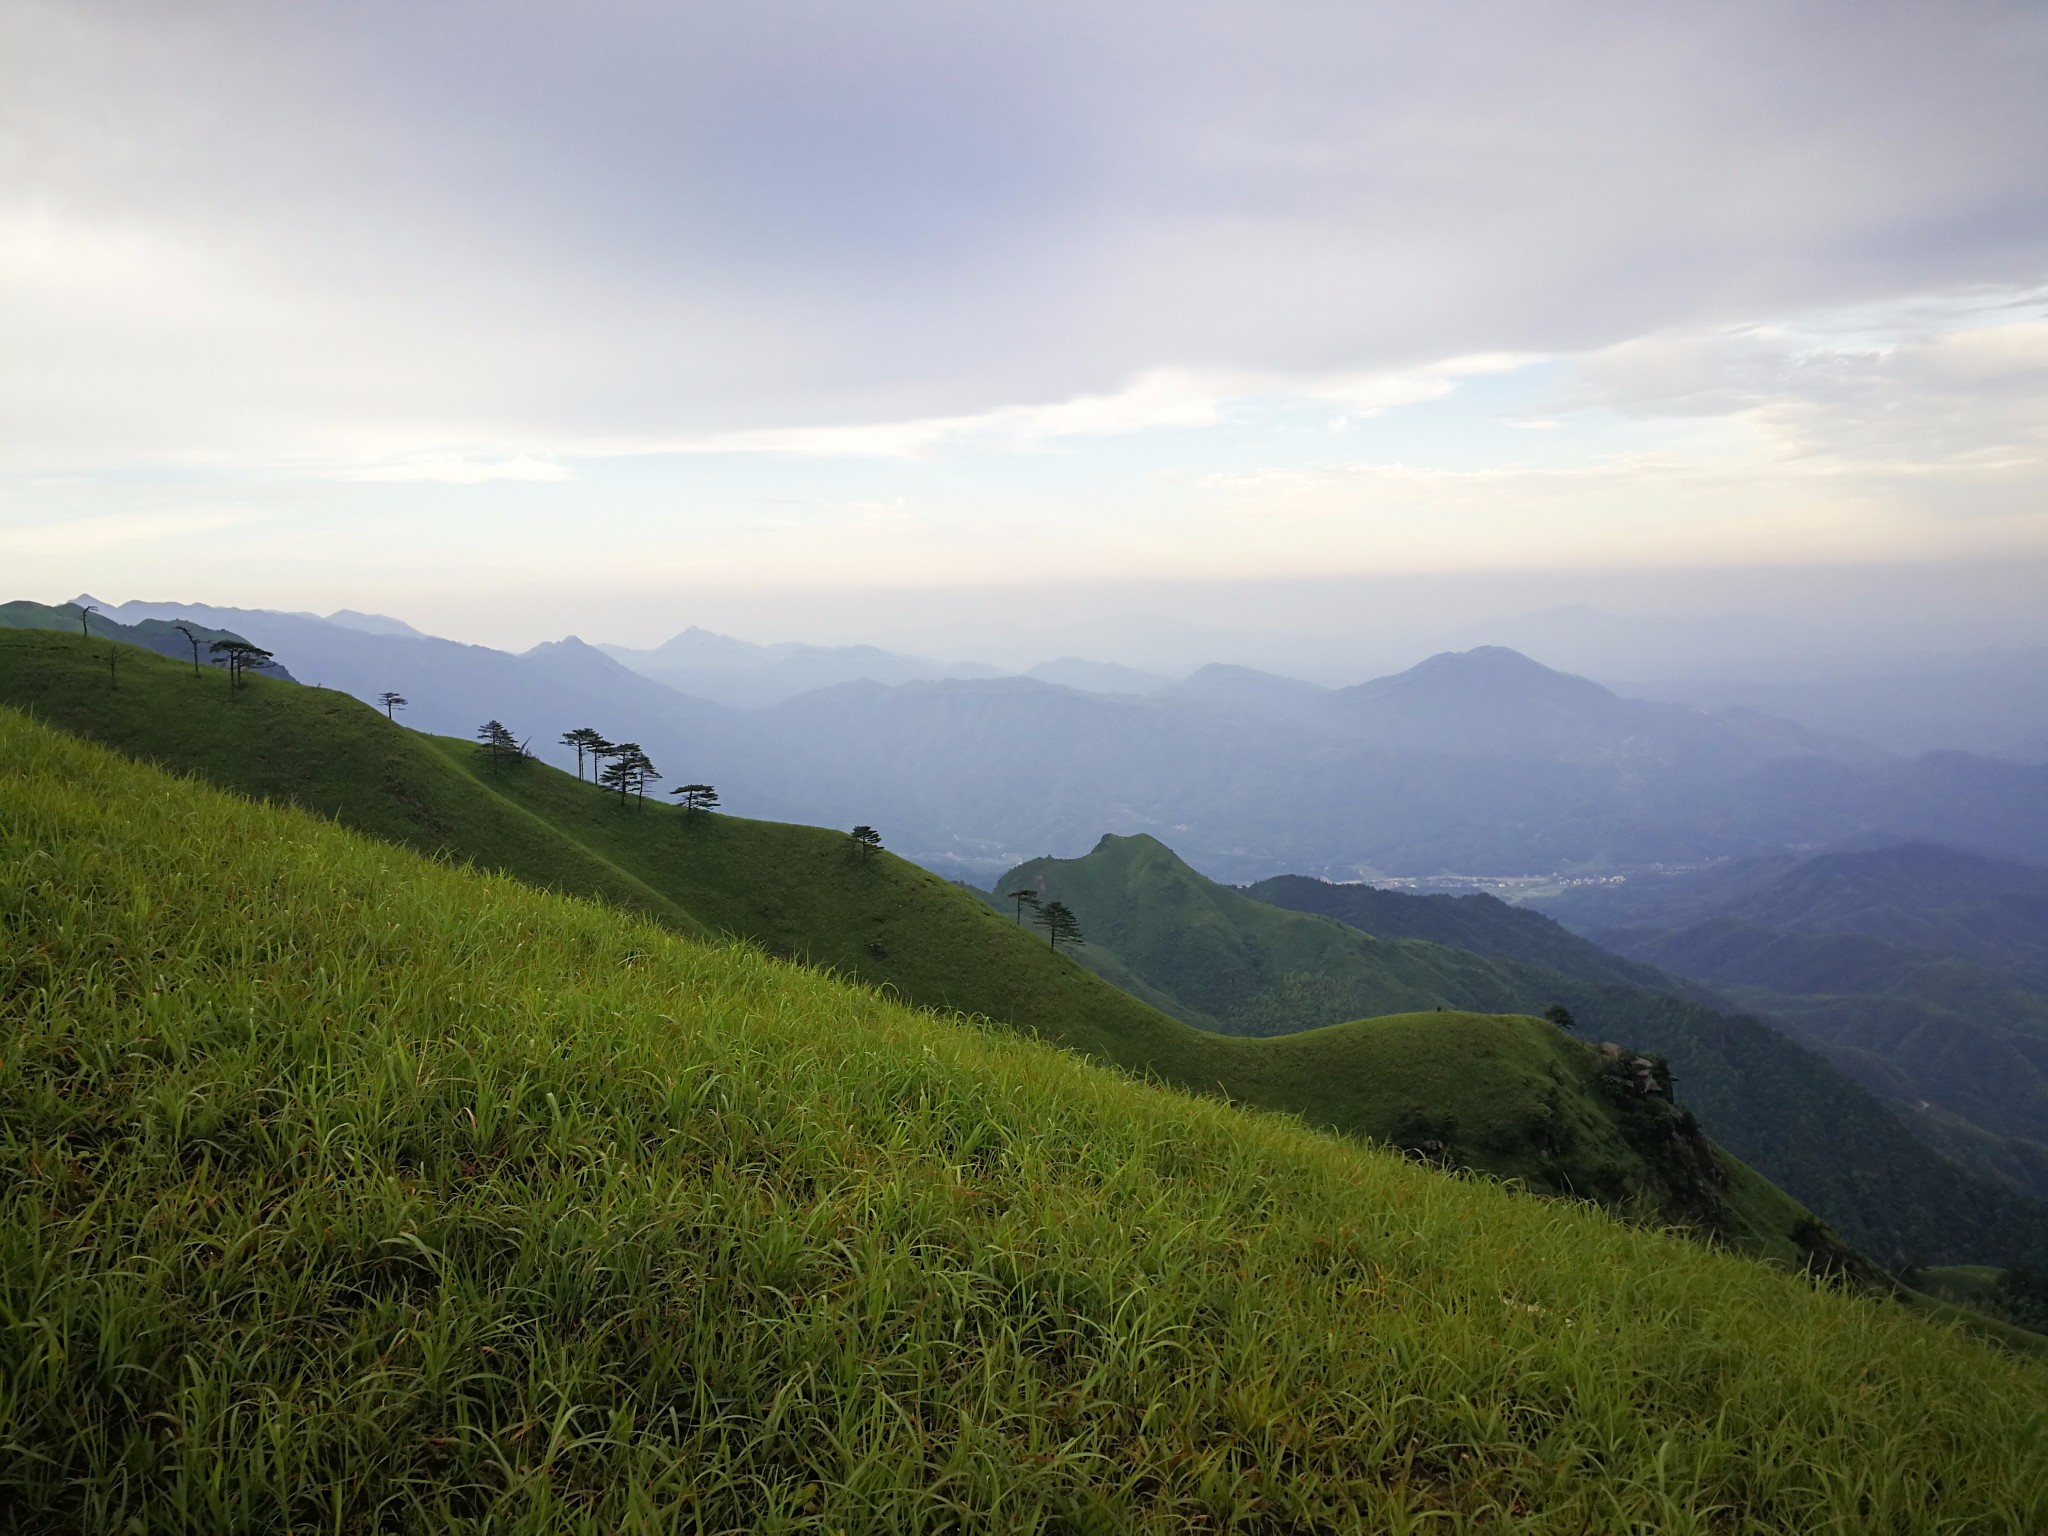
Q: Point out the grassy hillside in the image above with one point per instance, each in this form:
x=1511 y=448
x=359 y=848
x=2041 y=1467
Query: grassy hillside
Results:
x=1225 y=957
x=166 y=639
x=343 y=1190
x=1524 y=1106
x=304 y=746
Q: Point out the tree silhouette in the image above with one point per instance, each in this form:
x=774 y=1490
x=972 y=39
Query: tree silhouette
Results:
x=586 y=742
x=618 y=774
x=1024 y=896
x=85 y=611
x=391 y=701
x=865 y=840
x=644 y=773
x=239 y=656
x=499 y=743
x=1059 y=923
x=193 y=641
x=629 y=772
x=600 y=749
x=697 y=797
x=1560 y=1015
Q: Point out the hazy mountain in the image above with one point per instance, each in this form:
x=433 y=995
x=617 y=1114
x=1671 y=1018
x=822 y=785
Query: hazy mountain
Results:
x=1098 y=676
x=1483 y=763
x=1993 y=702
x=744 y=675
x=1479 y=763
x=373 y=623
x=1256 y=695
x=1496 y=702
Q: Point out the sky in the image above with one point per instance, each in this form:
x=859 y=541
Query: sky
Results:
x=824 y=321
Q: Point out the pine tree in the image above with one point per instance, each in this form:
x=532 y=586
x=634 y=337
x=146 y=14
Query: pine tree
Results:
x=502 y=746
x=586 y=742
x=239 y=656
x=697 y=797
x=1059 y=923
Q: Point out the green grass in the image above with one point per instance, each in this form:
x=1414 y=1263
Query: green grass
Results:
x=344 y=1190
x=805 y=893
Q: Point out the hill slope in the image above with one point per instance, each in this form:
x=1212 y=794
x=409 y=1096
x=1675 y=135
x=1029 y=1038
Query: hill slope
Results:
x=1214 y=952
x=165 y=637
x=338 y=1189
x=1531 y=1106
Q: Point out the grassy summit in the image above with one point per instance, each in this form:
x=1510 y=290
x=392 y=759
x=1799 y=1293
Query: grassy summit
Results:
x=342 y=1189
x=1508 y=1095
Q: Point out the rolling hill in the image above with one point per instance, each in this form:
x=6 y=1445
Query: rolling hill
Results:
x=1217 y=955
x=345 y=1189
x=1535 y=1106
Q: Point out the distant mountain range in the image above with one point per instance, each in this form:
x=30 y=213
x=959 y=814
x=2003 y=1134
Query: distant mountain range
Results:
x=1989 y=701
x=743 y=675
x=1481 y=761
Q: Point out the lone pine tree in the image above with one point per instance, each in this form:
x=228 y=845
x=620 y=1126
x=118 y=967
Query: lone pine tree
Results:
x=1059 y=923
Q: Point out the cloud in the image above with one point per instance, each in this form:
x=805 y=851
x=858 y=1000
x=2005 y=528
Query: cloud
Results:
x=255 y=235
x=457 y=470
x=1160 y=399
x=1930 y=390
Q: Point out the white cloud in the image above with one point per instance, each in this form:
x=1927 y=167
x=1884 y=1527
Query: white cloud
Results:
x=456 y=469
x=1927 y=393
x=248 y=235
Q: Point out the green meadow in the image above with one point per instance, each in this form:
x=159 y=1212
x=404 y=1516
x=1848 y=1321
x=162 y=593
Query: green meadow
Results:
x=346 y=1189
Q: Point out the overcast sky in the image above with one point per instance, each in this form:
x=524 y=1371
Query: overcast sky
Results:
x=520 y=318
